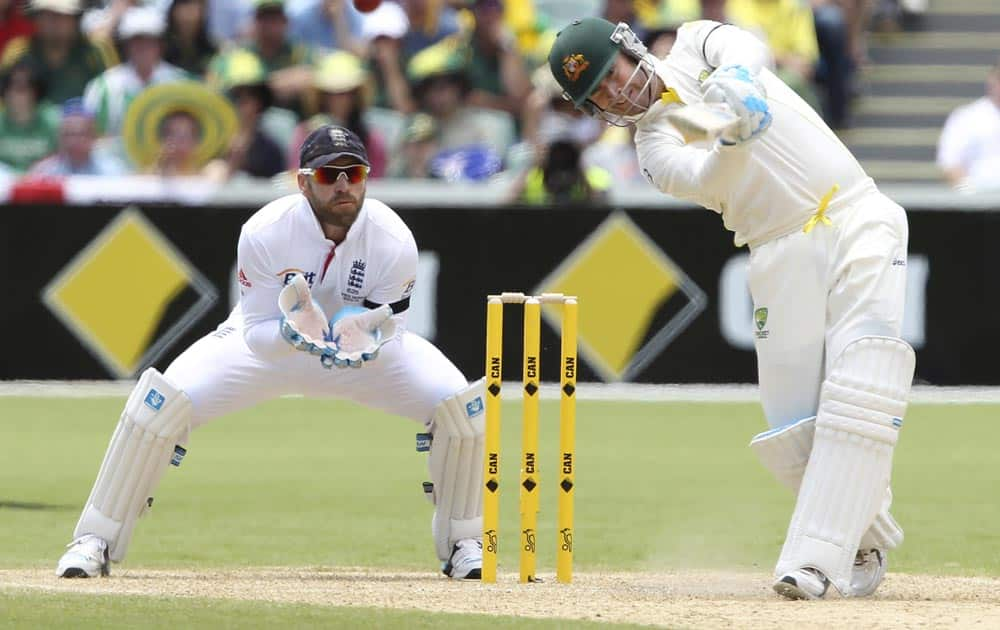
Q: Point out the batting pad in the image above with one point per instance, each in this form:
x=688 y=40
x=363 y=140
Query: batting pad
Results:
x=157 y=416
x=456 y=466
x=860 y=412
x=785 y=452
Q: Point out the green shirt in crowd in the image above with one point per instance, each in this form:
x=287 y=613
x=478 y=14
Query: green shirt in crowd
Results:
x=85 y=61
x=23 y=145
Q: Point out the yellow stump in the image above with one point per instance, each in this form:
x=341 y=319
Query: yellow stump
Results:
x=567 y=444
x=529 y=442
x=491 y=462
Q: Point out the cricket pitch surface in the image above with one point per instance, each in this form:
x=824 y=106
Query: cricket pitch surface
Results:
x=682 y=599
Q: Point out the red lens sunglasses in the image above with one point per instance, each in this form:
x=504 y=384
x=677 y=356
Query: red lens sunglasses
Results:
x=328 y=175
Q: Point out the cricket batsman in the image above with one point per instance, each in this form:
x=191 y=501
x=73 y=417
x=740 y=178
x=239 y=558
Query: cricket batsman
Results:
x=327 y=249
x=827 y=274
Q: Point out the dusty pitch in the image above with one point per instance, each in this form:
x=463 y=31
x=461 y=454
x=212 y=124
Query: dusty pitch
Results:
x=678 y=599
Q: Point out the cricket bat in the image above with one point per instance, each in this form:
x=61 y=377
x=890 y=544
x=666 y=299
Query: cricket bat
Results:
x=702 y=121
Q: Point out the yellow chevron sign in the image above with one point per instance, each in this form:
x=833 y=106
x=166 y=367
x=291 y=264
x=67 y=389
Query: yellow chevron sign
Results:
x=115 y=294
x=627 y=286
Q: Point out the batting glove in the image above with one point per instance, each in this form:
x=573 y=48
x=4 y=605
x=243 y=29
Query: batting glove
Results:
x=743 y=92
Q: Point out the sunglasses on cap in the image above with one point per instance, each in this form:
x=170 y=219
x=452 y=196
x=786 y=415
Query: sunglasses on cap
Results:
x=328 y=175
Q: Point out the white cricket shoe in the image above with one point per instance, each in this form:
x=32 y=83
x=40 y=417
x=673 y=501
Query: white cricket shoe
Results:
x=466 y=562
x=807 y=583
x=868 y=571
x=87 y=557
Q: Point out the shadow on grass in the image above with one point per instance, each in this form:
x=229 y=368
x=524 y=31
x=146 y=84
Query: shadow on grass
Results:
x=25 y=505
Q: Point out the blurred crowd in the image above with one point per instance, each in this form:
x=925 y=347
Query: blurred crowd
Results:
x=445 y=89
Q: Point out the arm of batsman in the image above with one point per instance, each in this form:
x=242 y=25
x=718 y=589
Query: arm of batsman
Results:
x=303 y=322
x=743 y=92
x=358 y=333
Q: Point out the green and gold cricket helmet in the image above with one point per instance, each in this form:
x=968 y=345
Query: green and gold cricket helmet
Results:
x=582 y=55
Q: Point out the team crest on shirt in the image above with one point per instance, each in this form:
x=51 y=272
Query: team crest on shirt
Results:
x=760 y=320
x=704 y=75
x=286 y=275
x=355 y=281
x=574 y=65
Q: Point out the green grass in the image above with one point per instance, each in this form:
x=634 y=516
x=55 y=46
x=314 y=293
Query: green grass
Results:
x=40 y=610
x=313 y=483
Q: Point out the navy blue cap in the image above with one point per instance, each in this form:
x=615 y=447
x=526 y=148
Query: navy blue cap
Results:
x=330 y=142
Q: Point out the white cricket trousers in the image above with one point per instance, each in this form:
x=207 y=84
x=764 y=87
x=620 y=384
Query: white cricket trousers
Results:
x=822 y=290
x=220 y=374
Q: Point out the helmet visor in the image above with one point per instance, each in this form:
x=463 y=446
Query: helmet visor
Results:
x=625 y=107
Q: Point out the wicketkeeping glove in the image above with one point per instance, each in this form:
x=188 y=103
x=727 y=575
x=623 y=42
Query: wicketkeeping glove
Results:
x=358 y=333
x=303 y=322
x=743 y=92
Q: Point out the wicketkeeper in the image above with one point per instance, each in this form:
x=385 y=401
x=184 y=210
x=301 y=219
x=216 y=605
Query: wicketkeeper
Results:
x=325 y=250
x=827 y=274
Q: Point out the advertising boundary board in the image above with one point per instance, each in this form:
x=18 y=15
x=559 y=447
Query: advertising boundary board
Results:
x=662 y=292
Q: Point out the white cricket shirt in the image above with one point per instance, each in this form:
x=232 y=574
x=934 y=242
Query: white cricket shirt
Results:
x=375 y=264
x=763 y=189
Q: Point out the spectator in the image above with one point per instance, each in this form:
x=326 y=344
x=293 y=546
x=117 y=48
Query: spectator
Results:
x=188 y=45
x=714 y=10
x=397 y=37
x=59 y=51
x=78 y=154
x=969 y=148
x=418 y=147
x=108 y=96
x=251 y=151
x=616 y=11
x=215 y=122
x=13 y=23
x=101 y=21
x=859 y=16
x=179 y=134
x=343 y=91
x=787 y=27
x=288 y=63
x=28 y=125
x=328 y=24
x=614 y=153
x=498 y=79
x=653 y=15
x=430 y=22
x=441 y=87
x=561 y=178
x=892 y=15
x=835 y=68
x=548 y=116
x=230 y=20
x=660 y=40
